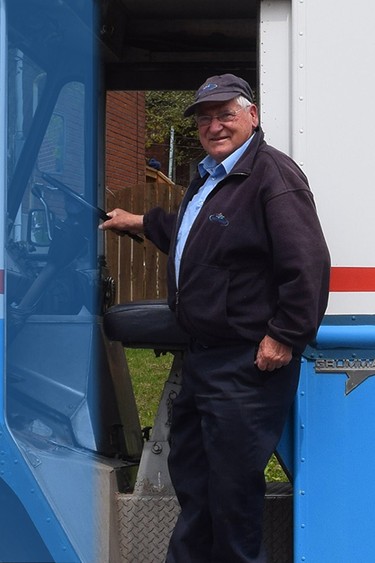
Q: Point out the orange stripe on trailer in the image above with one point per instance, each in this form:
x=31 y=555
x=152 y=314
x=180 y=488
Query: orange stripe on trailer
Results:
x=352 y=279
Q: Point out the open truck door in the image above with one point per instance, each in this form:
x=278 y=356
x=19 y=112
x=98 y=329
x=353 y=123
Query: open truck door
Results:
x=63 y=447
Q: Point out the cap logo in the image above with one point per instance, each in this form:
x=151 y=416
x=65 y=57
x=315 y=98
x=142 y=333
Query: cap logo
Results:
x=209 y=86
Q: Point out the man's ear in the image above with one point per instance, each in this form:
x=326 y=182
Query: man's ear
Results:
x=254 y=115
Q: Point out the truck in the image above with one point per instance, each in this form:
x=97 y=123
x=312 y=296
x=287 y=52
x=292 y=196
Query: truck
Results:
x=79 y=483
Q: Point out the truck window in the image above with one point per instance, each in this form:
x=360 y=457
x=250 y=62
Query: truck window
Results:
x=61 y=152
x=50 y=138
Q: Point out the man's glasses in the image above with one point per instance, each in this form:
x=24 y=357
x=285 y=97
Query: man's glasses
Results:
x=225 y=117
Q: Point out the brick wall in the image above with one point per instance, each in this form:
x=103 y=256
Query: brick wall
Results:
x=125 y=139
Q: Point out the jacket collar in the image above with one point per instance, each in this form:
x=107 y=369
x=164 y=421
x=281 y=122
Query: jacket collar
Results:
x=246 y=162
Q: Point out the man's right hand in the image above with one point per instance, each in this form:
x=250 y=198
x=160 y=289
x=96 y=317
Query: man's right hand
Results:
x=120 y=221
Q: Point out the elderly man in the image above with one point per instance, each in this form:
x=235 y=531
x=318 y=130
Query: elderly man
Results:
x=248 y=277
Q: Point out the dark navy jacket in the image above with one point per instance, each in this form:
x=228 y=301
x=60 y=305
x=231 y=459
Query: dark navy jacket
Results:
x=255 y=261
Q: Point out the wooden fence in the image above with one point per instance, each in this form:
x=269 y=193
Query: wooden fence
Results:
x=139 y=270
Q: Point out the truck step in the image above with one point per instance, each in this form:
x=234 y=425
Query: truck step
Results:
x=146 y=523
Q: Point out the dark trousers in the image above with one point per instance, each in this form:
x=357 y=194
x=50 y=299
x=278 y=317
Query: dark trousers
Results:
x=226 y=423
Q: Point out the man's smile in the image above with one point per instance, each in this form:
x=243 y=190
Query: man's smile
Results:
x=219 y=139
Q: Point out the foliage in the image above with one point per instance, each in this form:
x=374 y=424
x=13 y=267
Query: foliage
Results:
x=164 y=110
x=149 y=374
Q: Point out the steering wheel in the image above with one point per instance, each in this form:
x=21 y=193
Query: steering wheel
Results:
x=79 y=199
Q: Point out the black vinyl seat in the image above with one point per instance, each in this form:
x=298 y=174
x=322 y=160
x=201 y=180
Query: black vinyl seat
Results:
x=145 y=324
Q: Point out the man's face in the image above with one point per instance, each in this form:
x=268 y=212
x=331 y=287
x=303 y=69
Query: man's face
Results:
x=220 y=139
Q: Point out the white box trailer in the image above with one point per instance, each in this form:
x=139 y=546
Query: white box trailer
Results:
x=70 y=439
x=316 y=88
x=317 y=56
x=316 y=104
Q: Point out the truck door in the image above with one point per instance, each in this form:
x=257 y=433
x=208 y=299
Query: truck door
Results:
x=57 y=444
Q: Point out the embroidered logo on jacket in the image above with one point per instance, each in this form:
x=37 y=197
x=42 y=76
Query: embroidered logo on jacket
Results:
x=219 y=218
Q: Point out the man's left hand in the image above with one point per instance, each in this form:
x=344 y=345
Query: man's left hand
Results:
x=272 y=354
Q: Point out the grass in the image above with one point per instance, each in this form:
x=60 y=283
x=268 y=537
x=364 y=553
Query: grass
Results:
x=149 y=374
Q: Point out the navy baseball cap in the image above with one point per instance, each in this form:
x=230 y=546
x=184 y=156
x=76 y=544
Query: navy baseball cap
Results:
x=220 y=88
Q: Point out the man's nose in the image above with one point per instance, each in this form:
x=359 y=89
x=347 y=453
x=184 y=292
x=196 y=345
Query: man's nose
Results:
x=215 y=124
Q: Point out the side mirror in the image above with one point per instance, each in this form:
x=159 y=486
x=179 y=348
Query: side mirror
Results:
x=40 y=227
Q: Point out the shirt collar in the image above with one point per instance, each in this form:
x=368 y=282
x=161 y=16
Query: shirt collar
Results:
x=208 y=164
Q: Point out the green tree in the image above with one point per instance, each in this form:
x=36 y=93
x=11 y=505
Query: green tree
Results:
x=164 y=110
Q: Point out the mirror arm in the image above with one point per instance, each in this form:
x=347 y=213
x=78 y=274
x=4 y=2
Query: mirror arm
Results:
x=37 y=190
x=49 y=233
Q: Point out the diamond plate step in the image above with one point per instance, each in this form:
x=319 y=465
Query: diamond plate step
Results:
x=146 y=523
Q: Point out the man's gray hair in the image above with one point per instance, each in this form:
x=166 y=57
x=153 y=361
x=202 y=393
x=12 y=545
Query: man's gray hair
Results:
x=243 y=102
